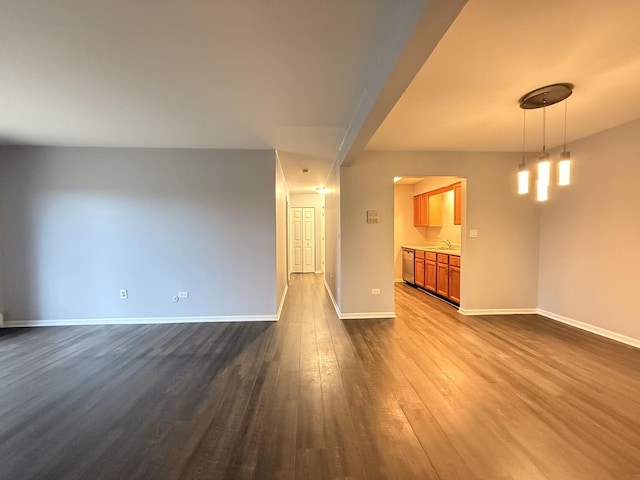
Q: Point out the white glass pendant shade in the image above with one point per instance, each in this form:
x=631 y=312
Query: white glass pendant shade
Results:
x=542 y=192
x=564 y=169
x=544 y=170
x=523 y=181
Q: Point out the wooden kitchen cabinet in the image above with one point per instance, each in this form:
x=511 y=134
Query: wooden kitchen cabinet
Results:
x=434 y=216
x=428 y=207
x=454 y=279
x=430 y=271
x=438 y=273
x=457 y=204
x=443 y=275
x=420 y=210
x=419 y=268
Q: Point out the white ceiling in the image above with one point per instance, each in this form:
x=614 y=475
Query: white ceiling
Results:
x=285 y=74
x=308 y=77
x=209 y=74
x=465 y=97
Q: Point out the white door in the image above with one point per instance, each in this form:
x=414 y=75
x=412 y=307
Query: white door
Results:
x=303 y=241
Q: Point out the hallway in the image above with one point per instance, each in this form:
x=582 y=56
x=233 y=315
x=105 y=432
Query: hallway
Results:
x=431 y=394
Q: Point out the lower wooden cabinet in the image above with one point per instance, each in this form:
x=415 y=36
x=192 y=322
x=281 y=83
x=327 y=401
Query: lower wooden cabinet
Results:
x=419 y=268
x=454 y=279
x=443 y=275
x=438 y=273
x=430 y=271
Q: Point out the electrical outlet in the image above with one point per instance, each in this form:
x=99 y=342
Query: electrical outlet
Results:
x=124 y=294
x=473 y=233
x=183 y=294
x=375 y=291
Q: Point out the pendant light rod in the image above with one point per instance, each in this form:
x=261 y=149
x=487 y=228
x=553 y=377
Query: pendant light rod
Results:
x=524 y=131
x=544 y=131
x=565 y=127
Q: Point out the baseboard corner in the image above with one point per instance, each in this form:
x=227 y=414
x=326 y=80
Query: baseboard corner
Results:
x=284 y=296
x=603 y=332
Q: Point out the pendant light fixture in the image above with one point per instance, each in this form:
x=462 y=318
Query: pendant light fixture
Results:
x=523 y=171
x=564 y=164
x=542 y=98
x=544 y=165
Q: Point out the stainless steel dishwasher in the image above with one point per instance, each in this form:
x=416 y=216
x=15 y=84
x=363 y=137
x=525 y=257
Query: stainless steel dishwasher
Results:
x=408 y=265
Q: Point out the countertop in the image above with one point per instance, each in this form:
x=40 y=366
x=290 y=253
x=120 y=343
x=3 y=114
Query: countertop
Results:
x=432 y=249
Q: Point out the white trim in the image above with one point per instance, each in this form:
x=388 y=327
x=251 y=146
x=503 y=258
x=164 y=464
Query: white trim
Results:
x=139 y=320
x=618 y=337
x=318 y=271
x=284 y=295
x=498 y=311
x=398 y=280
x=367 y=315
x=355 y=316
x=333 y=300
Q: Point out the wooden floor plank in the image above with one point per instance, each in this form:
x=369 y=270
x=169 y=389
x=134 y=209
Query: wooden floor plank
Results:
x=428 y=394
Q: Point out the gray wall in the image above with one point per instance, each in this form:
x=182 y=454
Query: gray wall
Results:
x=332 y=233
x=78 y=224
x=499 y=268
x=281 y=234
x=589 y=259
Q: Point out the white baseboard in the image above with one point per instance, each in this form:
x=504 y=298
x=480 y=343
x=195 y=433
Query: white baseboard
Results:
x=138 y=321
x=498 y=311
x=603 y=332
x=284 y=295
x=398 y=280
x=355 y=316
x=333 y=300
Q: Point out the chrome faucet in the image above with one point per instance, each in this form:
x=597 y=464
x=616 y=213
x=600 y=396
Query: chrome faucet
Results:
x=447 y=243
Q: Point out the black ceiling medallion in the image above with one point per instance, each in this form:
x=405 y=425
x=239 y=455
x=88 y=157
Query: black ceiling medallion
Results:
x=545 y=96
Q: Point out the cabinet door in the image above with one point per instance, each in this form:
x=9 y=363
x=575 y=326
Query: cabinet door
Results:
x=443 y=279
x=454 y=284
x=434 y=207
x=430 y=275
x=457 y=204
x=424 y=210
x=416 y=211
x=420 y=211
x=419 y=272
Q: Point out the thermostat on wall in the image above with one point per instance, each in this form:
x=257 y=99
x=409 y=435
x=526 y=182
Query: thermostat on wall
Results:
x=372 y=216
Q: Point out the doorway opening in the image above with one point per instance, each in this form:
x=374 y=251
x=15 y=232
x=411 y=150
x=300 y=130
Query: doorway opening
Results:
x=306 y=238
x=429 y=217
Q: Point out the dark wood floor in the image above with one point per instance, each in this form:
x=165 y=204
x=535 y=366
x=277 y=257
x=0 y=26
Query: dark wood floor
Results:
x=429 y=395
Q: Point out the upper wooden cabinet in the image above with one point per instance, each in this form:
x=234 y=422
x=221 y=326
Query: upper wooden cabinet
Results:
x=421 y=210
x=457 y=204
x=427 y=207
x=435 y=210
